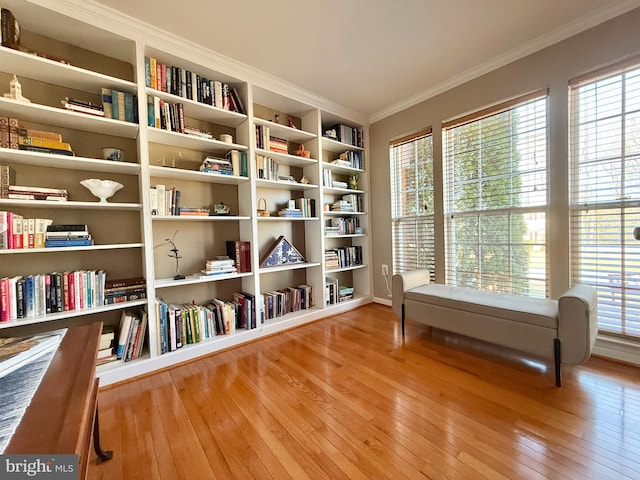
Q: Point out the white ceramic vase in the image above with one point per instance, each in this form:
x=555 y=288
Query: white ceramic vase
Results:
x=102 y=189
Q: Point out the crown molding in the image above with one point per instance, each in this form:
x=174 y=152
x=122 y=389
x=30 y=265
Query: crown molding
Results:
x=581 y=24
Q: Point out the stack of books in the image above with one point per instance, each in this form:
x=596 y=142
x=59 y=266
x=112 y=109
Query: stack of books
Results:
x=67 y=235
x=342 y=206
x=124 y=290
x=290 y=213
x=194 y=212
x=220 y=265
x=13 y=136
x=23 y=192
x=278 y=145
x=216 y=165
x=345 y=293
x=107 y=347
x=331 y=259
x=83 y=106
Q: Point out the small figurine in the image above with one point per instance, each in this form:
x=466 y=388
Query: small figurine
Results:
x=15 y=91
x=290 y=123
x=353 y=182
x=276 y=118
x=174 y=254
x=304 y=180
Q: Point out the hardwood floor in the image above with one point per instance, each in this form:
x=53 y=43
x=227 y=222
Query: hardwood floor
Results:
x=347 y=398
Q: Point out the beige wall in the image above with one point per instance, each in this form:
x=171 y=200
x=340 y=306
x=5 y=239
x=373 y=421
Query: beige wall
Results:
x=551 y=67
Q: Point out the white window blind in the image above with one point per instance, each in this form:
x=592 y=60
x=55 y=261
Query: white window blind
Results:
x=412 y=202
x=605 y=191
x=495 y=166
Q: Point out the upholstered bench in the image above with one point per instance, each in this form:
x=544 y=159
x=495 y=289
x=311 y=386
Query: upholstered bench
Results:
x=564 y=329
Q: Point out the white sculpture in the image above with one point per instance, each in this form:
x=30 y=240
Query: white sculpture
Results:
x=15 y=91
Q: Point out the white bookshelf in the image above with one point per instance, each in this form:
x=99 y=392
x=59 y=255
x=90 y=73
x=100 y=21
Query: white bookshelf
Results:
x=142 y=248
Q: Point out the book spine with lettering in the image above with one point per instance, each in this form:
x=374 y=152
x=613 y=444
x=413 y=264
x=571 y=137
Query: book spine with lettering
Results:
x=9 y=132
x=5 y=222
x=44 y=142
x=57 y=151
x=10 y=29
x=7 y=178
x=107 y=103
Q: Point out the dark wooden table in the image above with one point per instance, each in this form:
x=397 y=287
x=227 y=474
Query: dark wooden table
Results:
x=63 y=415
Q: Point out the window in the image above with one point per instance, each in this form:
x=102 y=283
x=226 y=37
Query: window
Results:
x=412 y=202
x=605 y=192
x=495 y=167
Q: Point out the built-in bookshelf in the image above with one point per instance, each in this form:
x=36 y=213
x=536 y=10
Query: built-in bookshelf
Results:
x=228 y=144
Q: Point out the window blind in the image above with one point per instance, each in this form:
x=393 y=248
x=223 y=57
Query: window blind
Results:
x=411 y=166
x=605 y=191
x=495 y=167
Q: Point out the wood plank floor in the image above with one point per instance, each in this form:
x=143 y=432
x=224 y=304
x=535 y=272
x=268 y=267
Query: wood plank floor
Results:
x=347 y=398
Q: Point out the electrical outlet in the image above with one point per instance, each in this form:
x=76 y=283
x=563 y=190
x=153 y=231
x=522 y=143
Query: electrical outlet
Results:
x=385 y=270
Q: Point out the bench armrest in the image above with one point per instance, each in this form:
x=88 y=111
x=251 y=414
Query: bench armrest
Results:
x=577 y=323
x=401 y=282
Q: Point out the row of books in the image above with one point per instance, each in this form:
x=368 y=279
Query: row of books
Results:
x=349 y=159
x=164 y=201
x=165 y=115
x=14 y=136
x=342 y=257
x=299 y=208
x=345 y=134
x=119 y=105
x=184 y=83
x=336 y=293
x=342 y=226
x=291 y=299
x=43 y=293
x=267 y=168
x=18 y=232
x=184 y=324
x=267 y=142
x=131 y=335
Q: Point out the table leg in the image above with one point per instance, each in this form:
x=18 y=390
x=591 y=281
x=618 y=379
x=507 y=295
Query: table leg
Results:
x=103 y=455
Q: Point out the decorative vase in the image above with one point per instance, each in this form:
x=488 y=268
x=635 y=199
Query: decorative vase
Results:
x=102 y=189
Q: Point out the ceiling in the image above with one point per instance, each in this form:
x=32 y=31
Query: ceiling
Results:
x=373 y=56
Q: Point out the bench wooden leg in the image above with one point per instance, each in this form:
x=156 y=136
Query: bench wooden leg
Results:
x=403 y=320
x=558 y=360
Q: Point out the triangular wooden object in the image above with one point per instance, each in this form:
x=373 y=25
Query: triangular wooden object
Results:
x=281 y=253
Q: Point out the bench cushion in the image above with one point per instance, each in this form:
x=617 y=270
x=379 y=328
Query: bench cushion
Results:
x=541 y=312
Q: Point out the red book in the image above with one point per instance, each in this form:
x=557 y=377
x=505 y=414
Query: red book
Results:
x=65 y=291
x=5 y=310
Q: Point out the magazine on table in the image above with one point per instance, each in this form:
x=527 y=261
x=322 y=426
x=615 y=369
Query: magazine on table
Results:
x=15 y=352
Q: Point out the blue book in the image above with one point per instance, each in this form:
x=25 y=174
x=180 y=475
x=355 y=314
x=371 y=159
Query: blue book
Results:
x=81 y=242
x=115 y=109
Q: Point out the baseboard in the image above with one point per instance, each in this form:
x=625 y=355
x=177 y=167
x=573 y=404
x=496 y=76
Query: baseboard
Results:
x=383 y=301
x=621 y=349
